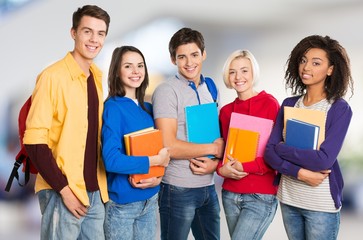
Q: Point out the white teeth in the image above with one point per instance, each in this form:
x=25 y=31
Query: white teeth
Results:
x=240 y=83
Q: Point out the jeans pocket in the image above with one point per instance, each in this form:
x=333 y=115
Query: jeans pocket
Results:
x=178 y=190
x=43 y=197
x=268 y=198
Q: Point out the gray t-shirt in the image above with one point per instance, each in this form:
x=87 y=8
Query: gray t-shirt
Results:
x=169 y=101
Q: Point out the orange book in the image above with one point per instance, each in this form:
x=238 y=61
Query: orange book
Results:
x=127 y=138
x=241 y=145
x=147 y=143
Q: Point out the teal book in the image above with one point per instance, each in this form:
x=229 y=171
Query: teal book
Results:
x=301 y=134
x=202 y=123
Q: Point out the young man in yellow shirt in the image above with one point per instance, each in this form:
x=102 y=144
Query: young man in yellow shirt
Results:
x=62 y=135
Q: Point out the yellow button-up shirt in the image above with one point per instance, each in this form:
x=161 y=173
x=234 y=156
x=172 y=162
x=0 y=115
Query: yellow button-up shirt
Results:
x=58 y=118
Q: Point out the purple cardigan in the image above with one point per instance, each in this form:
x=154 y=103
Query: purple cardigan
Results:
x=288 y=160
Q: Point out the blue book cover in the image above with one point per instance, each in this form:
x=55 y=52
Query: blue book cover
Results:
x=301 y=134
x=202 y=123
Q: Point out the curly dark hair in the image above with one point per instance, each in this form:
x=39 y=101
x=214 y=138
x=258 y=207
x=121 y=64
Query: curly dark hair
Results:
x=115 y=85
x=337 y=84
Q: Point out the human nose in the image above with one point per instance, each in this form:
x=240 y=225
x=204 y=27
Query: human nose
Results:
x=188 y=61
x=94 y=38
x=306 y=66
x=238 y=75
x=135 y=70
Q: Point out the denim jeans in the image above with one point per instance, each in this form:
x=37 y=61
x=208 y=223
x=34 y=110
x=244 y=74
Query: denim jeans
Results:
x=248 y=215
x=136 y=220
x=309 y=225
x=182 y=209
x=59 y=223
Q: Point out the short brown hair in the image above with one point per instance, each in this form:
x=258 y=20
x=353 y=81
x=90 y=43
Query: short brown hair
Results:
x=185 y=36
x=92 y=11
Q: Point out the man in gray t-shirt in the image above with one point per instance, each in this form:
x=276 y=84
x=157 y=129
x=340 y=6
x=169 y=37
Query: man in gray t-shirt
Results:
x=188 y=199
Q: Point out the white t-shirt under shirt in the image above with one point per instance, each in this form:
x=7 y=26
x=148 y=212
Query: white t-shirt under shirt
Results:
x=297 y=193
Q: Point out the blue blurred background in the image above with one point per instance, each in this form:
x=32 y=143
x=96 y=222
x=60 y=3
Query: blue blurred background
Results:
x=35 y=33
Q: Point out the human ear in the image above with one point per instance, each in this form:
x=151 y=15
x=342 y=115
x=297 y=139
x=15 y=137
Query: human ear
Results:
x=204 y=54
x=172 y=59
x=330 y=70
x=73 y=33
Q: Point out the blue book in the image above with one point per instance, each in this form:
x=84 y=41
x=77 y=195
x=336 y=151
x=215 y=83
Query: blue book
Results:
x=301 y=134
x=202 y=123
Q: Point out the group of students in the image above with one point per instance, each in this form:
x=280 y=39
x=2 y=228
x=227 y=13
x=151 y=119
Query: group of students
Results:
x=76 y=143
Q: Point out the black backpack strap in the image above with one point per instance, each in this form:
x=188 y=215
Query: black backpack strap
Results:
x=15 y=174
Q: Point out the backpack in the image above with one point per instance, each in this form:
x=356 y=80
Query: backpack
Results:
x=22 y=157
x=212 y=88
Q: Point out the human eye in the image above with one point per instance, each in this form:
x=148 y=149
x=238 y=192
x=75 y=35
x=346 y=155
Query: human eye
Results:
x=316 y=63
x=302 y=60
x=231 y=72
x=87 y=31
x=141 y=65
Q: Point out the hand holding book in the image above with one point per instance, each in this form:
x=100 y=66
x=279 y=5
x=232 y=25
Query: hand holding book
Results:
x=161 y=159
x=148 y=142
x=232 y=169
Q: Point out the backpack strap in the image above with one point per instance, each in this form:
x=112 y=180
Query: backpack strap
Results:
x=212 y=88
x=14 y=173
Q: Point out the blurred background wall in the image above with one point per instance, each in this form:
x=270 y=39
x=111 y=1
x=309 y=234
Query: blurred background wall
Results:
x=35 y=33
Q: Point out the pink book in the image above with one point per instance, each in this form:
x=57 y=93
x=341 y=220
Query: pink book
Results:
x=256 y=124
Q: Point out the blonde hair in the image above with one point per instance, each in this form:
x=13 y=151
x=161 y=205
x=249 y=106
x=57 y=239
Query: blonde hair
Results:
x=241 y=54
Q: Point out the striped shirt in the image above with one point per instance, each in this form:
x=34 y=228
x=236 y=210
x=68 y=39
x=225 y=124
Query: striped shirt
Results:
x=297 y=193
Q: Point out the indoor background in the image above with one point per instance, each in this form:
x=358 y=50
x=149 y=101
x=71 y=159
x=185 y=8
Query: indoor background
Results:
x=35 y=33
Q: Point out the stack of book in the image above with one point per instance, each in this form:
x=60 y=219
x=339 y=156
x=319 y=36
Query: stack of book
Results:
x=304 y=128
x=247 y=137
x=202 y=123
x=145 y=142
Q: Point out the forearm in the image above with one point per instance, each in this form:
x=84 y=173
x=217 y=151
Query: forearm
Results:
x=42 y=158
x=186 y=150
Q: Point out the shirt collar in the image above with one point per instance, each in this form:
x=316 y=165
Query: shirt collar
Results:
x=180 y=77
x=76 y=71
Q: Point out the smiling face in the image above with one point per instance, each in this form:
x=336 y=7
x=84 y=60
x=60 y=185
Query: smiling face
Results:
x=189 y=60
x=314 y=68
x=89 y=38
x=241 y=77
x=132 y=72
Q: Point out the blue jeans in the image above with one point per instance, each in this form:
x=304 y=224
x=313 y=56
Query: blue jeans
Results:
x=248 y=215
x=59 y=223
x=309 y=225
x=184 y=208
x=136 y=220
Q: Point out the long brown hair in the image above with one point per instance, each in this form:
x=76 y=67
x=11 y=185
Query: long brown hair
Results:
x=116 y=86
